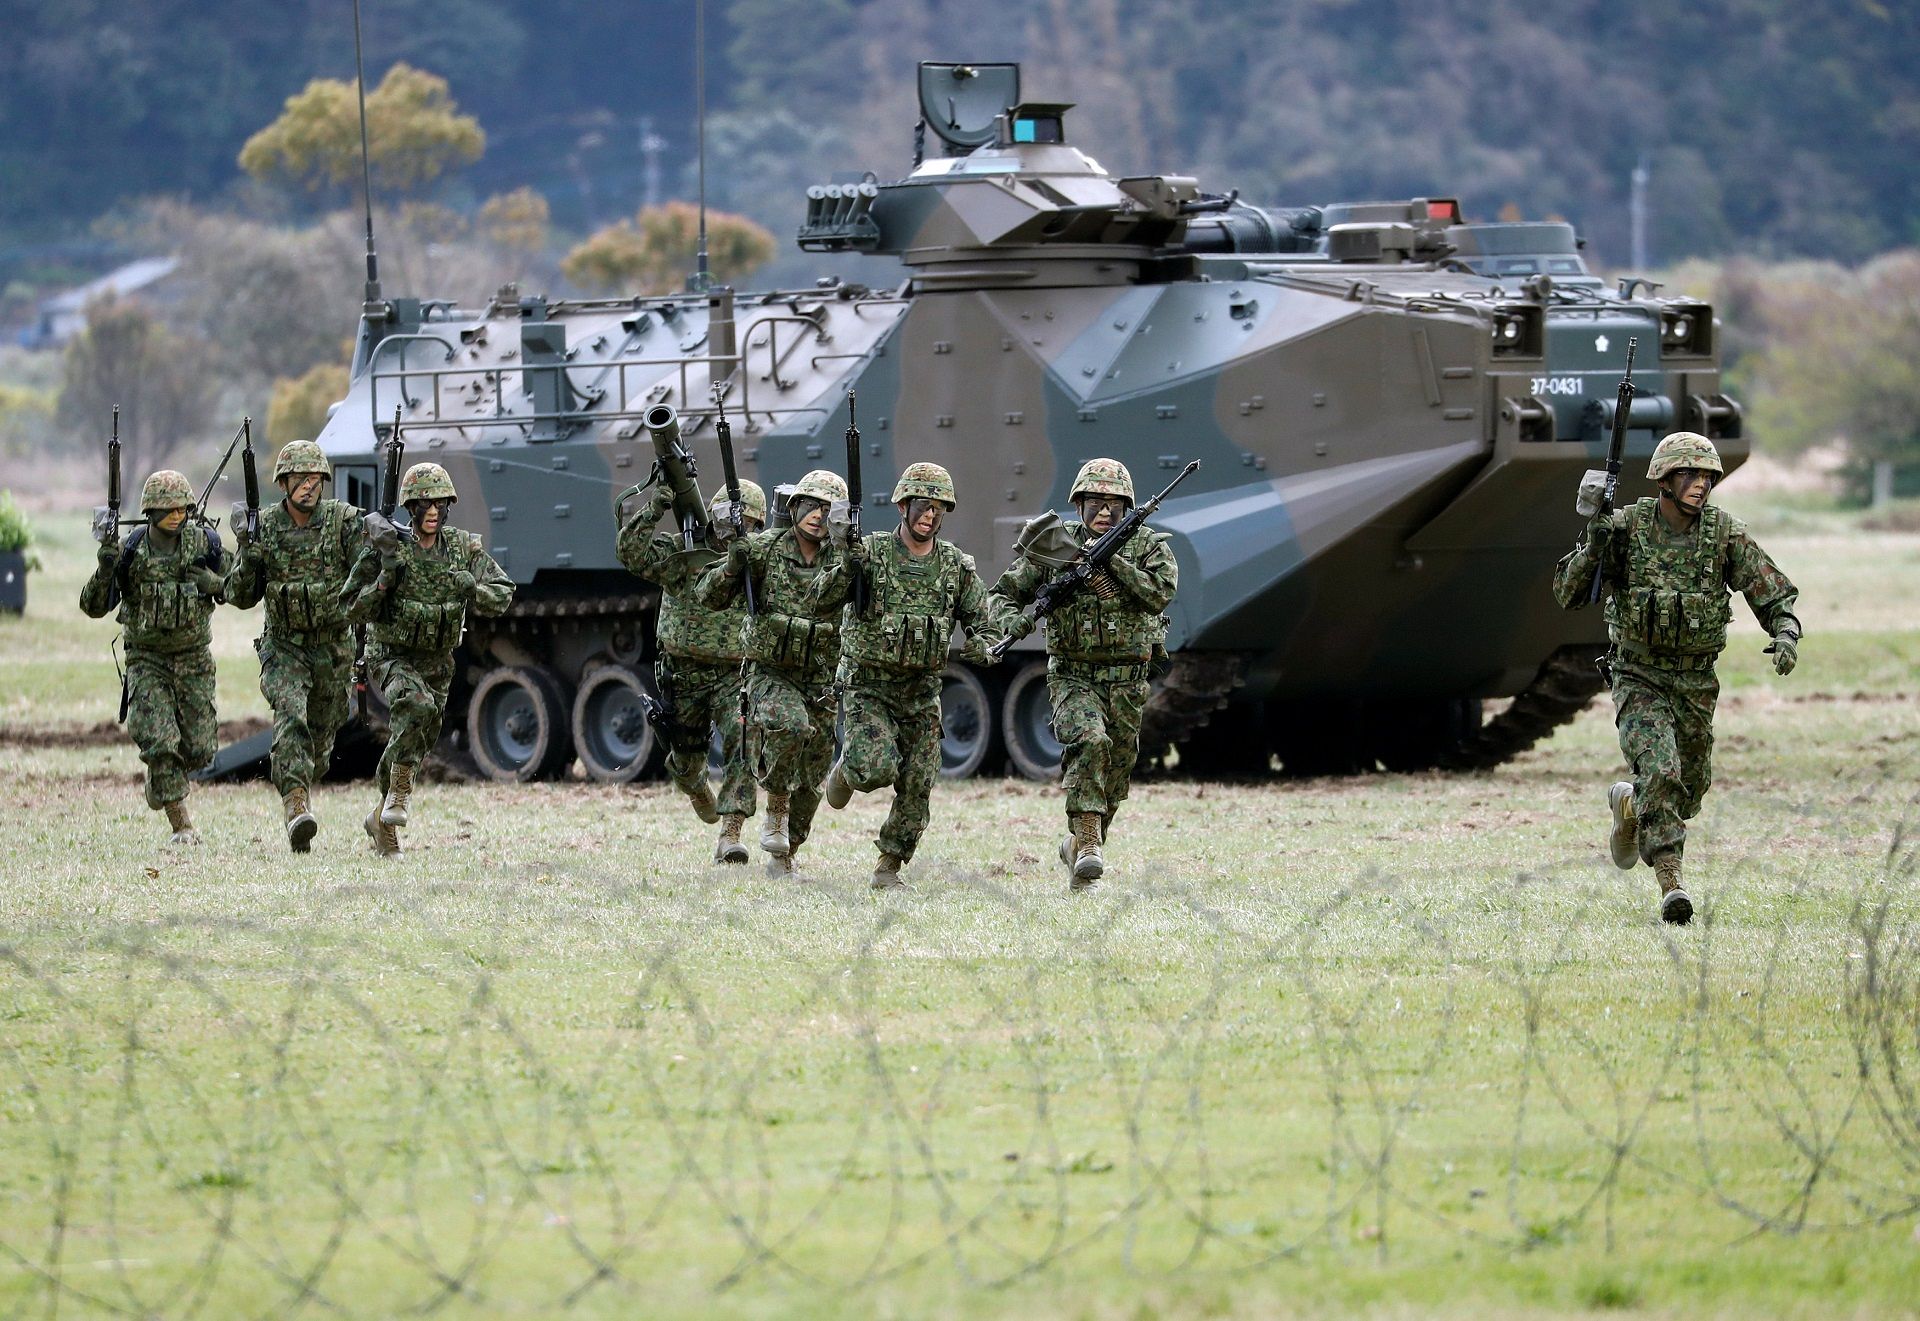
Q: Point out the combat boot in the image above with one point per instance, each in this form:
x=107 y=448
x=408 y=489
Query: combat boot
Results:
x=1624 y=839
x=301 y=827
x=1087 y=862
x=773 y=826
x=393 y=810
x=386 y=840
x=1675 y=906
x=783 y=867
x=704 y=805
x=183 y=831
x=839 y=788
x=730 y=849
x=886 y=872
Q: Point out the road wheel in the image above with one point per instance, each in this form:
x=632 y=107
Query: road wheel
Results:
x=1026 y=719
x=517 y=724
x=967 y=733
x=610 y=729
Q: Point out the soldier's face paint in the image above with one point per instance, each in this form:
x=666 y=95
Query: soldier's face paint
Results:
x=303 y=490
x=1100 y=512
x=428 y=515
x=170 y=521
x=1689 y=488
x=810 y=517
x=921 y=518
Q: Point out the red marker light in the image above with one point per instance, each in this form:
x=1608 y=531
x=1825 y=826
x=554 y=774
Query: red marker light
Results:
x=1443 y=208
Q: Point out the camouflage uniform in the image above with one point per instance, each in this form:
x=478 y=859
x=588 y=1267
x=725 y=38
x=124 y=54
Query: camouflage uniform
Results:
x=1667 y=612
x=697 y=670
x=890 y=663
x=415 y=605
x=1099 y=648
x=306 y=649
x=165 y=587
x=792 y=648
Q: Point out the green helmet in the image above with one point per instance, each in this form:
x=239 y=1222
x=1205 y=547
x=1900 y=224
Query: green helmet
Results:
x=166 y=490
x=1684 y=449
x=1103 y=477
x=301 y=456
x=426 y=481
x=925 y=481
x=826 y=487
x=753 y=501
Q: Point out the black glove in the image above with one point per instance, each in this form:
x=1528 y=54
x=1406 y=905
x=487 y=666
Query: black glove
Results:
x=1599 y=533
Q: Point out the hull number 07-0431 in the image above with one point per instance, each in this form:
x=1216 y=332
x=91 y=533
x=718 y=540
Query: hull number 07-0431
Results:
x=1559 y=385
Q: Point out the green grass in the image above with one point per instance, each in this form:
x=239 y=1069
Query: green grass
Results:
x=1395 y=1045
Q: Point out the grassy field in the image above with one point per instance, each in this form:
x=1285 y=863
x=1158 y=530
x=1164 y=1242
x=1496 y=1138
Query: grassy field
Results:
x=1392 y=1045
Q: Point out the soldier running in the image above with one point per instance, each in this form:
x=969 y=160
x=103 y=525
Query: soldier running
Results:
x=166 y=580
x=697 y=671
x=297 y=565
x=414 y=593
x=1668 y=565
x=792 y=647
x=1100 y=644
x=891 y=657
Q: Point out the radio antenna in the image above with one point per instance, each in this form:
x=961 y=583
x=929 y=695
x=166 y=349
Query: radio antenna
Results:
x=373 y=299
x=702 y=277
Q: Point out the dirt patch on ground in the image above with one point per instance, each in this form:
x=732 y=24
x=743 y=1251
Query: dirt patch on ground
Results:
x=103 y=734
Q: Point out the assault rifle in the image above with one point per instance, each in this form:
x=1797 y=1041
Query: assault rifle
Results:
x=862 y=592
x=736 y=506
x=206 y=493
x=1059 y=589
x=1599 y=486
x=250 y=521
x=106 y=519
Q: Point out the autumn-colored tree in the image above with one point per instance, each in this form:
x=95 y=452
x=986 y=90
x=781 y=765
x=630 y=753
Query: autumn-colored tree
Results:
x=654 y=252
x=415 y=134
x=516 y=222
x=159 y=378
x=298 y=408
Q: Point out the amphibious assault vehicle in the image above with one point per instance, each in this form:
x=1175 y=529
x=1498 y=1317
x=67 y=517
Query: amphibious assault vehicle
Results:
x=1392 y=407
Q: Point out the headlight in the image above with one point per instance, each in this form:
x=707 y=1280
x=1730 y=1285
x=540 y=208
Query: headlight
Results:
x=1686 y=330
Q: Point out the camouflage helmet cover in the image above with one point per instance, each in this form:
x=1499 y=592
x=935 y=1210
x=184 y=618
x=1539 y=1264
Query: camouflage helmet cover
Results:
x=301 y=456
x=925 y=481
x=1103 y=477
x=822 y=485
x=426 y=481
x=1684 y=449
x=753 y=501
x=164 y=490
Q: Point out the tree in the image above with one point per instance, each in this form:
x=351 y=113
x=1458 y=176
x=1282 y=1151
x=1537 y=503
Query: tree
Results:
x=1841 y=363
x=125 y=356
x=654 y=252
x=516 y=222
x=415 y=134
x=299 y=406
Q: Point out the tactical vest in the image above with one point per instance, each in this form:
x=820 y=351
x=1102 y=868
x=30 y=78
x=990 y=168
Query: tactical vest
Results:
x=1675 y=597
x=909 y=622
x=1112 y=632
x=425 y=610
x=161 y=609
x=305 y=568
x=777 y=636
x=687 y=629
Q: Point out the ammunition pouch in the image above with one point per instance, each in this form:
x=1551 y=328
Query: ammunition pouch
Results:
x=792 y=642
x=412 y=625
x=1670 y=620
x=897 y=641
x=304 y=607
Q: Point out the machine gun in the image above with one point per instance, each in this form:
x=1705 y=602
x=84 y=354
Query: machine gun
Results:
x=106 y=518
x=394 y=453
x=1059 y=589
x=1598 y=487
x=673 y=464
x=862 y=591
